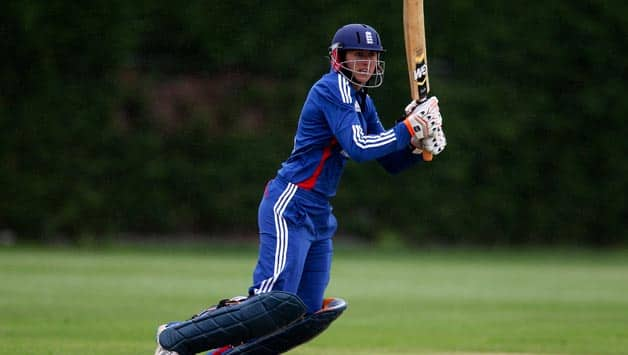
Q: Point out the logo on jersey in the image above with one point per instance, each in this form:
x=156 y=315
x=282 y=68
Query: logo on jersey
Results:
x=369 y=37
x=357 y=107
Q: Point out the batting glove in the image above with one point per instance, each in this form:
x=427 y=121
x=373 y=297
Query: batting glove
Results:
x=423 y=120
x=411 y=106
x=434 y=145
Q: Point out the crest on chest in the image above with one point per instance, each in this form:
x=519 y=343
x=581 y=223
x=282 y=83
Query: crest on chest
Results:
x=357 y=106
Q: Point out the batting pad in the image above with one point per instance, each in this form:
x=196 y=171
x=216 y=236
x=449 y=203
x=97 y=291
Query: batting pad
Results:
x=294 y=334
x=257 y=316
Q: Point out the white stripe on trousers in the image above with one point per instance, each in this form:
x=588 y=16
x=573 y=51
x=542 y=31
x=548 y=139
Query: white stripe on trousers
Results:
x=281 y=231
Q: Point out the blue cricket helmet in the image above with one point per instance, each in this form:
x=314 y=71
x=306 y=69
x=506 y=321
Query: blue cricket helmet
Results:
x=357 y=36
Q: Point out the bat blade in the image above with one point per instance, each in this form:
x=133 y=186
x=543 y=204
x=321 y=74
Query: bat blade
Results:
x=416 y=53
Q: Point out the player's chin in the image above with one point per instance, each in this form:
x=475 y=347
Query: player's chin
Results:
x=362 y=78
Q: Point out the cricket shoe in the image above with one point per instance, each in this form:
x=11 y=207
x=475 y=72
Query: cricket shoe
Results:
x=160 y=350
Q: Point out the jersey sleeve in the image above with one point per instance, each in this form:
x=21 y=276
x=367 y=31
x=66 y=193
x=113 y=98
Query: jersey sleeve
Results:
x=399 y=161
x=339 y=109
x=394 y=162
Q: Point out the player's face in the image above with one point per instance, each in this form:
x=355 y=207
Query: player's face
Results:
x=362 y=63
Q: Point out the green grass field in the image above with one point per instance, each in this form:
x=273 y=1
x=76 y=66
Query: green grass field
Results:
x=109 y=301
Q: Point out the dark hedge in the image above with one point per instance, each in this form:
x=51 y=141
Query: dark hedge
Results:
x=161 y=117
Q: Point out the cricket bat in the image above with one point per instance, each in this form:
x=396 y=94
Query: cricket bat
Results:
x=416 y=53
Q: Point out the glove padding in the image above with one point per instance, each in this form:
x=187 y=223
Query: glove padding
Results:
x=423 y=120
x=434 y=145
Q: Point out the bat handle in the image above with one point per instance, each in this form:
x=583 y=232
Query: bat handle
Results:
x=427 y=156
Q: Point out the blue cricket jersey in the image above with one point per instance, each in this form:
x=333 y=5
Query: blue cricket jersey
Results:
x=337 y=123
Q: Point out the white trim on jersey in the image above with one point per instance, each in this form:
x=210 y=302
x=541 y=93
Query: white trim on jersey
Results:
x=372 y=141
x=281 y=230
x=345 y=89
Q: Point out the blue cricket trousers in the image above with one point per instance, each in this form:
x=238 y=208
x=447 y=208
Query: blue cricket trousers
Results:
x=295 y=230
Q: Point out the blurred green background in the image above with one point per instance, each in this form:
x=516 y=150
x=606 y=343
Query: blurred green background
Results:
x=159 y=117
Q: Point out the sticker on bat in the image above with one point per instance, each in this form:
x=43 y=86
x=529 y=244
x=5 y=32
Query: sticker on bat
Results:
x=420 y=70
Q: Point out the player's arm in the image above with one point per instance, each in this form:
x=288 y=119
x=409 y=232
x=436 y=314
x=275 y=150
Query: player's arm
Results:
x=397 y=161
x=358 y=144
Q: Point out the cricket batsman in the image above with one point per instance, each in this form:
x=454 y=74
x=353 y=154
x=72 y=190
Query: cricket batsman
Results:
x=286 y=306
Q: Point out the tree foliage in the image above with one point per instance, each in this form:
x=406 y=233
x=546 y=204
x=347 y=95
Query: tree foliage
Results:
x=161 y=117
